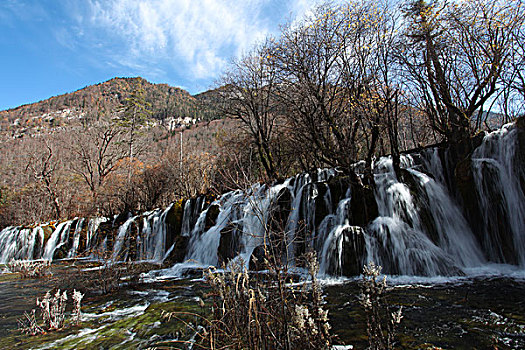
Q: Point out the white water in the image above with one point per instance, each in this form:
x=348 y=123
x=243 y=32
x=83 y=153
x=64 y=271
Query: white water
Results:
x=420 y=229
x=76 y=239
x=57 y=239
x=118 y=252
x=495 y=173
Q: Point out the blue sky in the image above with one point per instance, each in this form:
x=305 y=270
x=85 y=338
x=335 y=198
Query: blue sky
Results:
x=51 y=47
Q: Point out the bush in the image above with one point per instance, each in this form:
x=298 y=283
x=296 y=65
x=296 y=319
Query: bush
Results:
x=53 y=311
x=265 y=311
x=381 y=322
x=30 y=269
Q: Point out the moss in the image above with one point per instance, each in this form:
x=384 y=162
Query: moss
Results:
x=7 y=277
x=211 y=216
x=174 y=222
x=48 y=231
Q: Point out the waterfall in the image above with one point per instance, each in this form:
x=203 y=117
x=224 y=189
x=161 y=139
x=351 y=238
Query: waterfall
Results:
x=58 y=238
x=19 y=243
x=501 y=198
x=118 y=252
x=421 y=225
x=76 y=239
x=331 y=239
x=402 y=242
x=255 y=220
x=92 y=230
x=153 y=237
x=203 y=245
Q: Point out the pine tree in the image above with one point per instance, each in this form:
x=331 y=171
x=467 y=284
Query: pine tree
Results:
x=135 y=114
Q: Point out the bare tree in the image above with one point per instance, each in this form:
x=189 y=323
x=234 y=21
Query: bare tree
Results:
x=248 y=92
x=98 y=151
x=43 y=165
x=455 y=56
x=316 y=88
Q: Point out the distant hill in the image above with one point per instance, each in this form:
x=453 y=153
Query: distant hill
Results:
x=96 y=101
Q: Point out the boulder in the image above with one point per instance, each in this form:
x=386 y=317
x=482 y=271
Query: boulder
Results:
x=338 y=186
x=422 y=204
x=520 y=154
x=257 y=259
x=280 y=210
x=466 y=188
x=321 y=207
x=497 y=239
x=178 y=253
x=174 y=222
x=211 y=216
x=348 y=262
x=363 y=206
x=229 y=246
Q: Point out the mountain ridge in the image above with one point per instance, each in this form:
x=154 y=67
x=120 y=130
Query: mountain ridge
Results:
x=95 y=101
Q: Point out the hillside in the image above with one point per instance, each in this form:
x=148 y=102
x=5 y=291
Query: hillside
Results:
x=97 y=101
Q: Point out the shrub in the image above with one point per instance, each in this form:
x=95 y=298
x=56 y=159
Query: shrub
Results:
x=53 y=312
x=30 y=269
x=381 y=322
x=265 y=311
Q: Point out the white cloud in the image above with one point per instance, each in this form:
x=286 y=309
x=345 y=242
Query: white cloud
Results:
x=198 y=36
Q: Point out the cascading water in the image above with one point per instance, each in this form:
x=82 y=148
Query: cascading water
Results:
x=119 y=253
x=419 y=228
x=501 y=198
x=203 y=245
x=76 y=239
x=57 y=239
x=153 y=236
x=20 y=243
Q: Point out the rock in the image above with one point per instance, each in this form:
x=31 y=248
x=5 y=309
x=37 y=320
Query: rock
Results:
x=363 y=206
x=352 y=255
x=229 y=244
x=520 y=154
x=498 y=227
x=321 y=206
x=257 y=259
x=178 y=253
x=339 y=186
x=422 y=204
x=131 y=244
x=174 y=222
x=520 y=123
x=466 y=188
x=353 y=251
x=39 y=247
x=211 y=216
x=48 y=231
x=280 y=210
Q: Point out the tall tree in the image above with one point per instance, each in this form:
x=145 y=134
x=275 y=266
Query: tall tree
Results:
x=323 y=75
x=98 y=151
x=43 y=166
x=134 y=115
x=248 y=93
x=455 y=55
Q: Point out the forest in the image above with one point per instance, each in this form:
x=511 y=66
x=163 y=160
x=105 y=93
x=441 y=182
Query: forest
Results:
x=367 y=139
x=347 y=83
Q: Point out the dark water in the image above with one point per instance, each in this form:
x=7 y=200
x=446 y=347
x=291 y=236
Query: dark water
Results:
x=478 y=313
x=472 y=313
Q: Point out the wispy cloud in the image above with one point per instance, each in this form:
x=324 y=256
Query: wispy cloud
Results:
x=197 y=36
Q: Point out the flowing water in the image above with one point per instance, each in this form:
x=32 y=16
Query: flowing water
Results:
x=475 y=267
x=420 y=228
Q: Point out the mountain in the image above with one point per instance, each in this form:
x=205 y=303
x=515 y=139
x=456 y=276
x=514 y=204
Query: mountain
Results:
x=98 y=101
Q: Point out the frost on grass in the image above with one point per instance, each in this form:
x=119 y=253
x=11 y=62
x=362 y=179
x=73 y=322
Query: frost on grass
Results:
x=53 y=313
x=381 y=321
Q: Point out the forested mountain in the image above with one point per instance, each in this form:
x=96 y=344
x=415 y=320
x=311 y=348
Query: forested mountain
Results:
x=99 y=101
